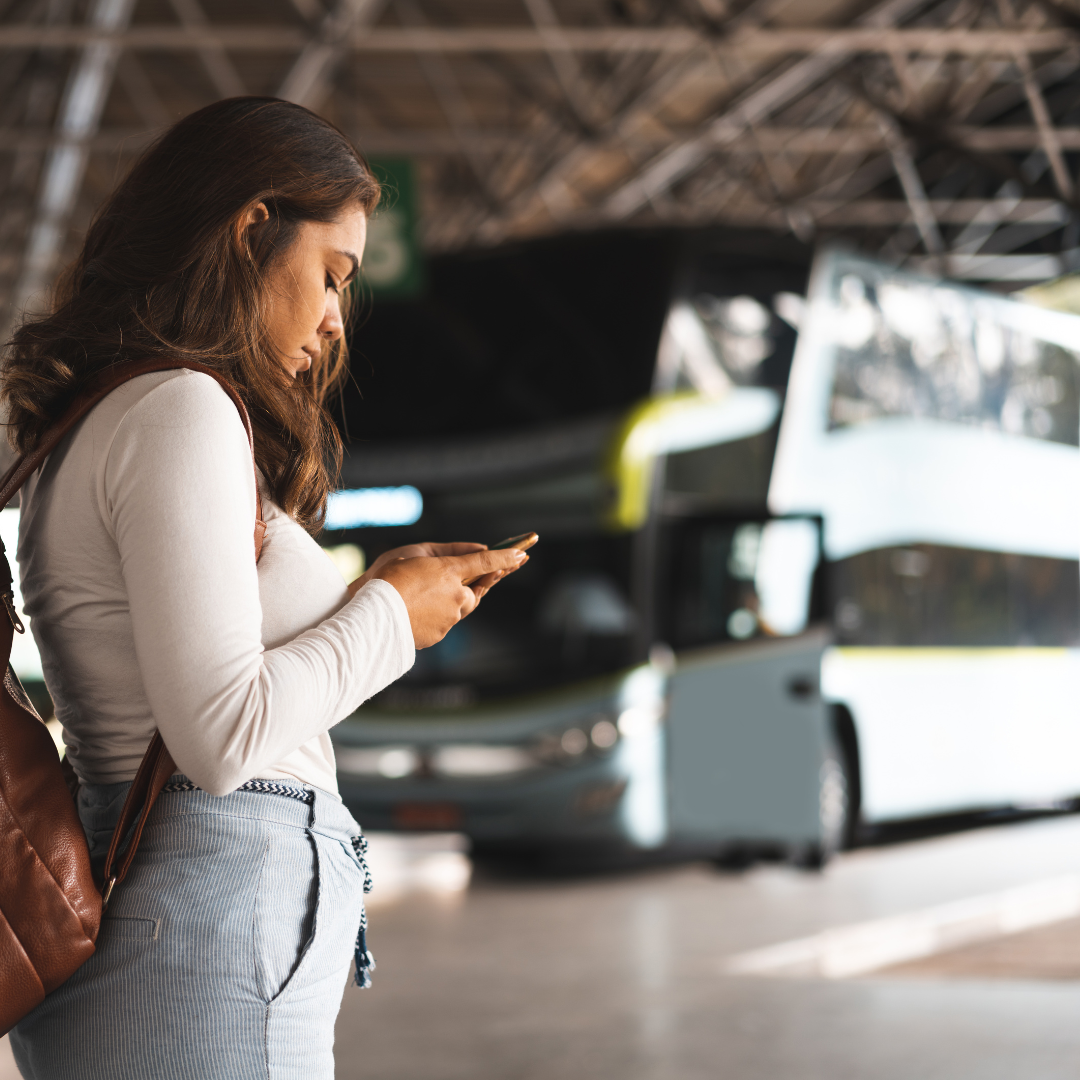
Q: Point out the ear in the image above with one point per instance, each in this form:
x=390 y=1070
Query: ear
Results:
x=254 y=215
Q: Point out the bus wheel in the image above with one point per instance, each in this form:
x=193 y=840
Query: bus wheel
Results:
x=834 y=804
x=734 y=857
x=808 y=856
x=834 y=816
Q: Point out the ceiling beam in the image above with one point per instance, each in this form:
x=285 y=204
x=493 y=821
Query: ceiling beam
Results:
x=836 y=42
x=754 y=107
x=838 y=215
x=134 y=140
x=864 y=213
x=1039 y=112
x=908 y=174
x=77 y=120
x=830 y=141
x=552 y=189
x=308 y=80
x=563 y=61
x=219 y=68
x=858 y=140
x=1051 y=144
x=455 y=106
x=888 y=212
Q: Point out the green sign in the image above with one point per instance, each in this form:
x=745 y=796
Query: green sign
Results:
x=392 y=262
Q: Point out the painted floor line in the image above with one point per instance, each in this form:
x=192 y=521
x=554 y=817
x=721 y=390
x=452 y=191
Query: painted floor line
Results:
x=859 y=948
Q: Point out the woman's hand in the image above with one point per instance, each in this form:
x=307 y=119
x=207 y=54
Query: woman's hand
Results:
x=416 y=551
x=411 y=551
x=439 y=590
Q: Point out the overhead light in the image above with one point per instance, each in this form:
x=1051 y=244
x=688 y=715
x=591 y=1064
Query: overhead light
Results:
x=361 y=508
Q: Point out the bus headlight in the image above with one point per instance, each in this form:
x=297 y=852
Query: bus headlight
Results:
x=640 y=719
x=597 y=733
x=475 y=760
x=604 y=734
x=390 y=762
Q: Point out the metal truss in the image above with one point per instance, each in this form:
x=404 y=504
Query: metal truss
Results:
x=945 y=133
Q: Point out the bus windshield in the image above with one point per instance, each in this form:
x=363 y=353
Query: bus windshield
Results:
x=568 y=616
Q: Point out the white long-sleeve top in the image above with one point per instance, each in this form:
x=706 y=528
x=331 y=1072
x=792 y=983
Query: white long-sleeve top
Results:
x=138 y=574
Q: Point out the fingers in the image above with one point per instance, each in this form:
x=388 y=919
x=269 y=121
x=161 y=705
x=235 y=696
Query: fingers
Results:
x=489 y=581
x=482 y=563
x=440 y=591
x=417 y=551
x=481 y=585
x=458 y=548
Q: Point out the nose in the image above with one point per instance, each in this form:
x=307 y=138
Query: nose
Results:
x=332 y=326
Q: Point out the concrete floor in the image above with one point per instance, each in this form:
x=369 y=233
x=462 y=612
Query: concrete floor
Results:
x=622 y=976
x=1050 y=952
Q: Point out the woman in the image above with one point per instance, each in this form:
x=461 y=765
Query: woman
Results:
x=224 y=953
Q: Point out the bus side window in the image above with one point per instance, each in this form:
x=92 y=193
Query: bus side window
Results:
x=927 y=594
x=735 y=580
x=711 y=597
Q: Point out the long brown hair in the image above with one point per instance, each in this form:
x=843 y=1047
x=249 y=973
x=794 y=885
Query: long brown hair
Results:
x=167 y=270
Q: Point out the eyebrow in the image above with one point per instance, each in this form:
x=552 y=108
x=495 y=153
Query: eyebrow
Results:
x=355 y=265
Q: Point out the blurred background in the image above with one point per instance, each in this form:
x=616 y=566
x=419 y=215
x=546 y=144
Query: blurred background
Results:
x=765 y=314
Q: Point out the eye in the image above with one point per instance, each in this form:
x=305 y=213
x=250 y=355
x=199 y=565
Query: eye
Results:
x=330 y=283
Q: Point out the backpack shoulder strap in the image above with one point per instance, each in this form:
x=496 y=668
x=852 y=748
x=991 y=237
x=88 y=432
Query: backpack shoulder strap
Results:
x=157 y=763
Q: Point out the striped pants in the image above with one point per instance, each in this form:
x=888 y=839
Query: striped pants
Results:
x=224 y=953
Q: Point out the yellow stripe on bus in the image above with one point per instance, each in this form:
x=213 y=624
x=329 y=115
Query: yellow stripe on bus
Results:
x=949 y=652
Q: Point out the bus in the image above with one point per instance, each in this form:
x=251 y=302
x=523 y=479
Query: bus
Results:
x=934 y=428
x=788 y=585
x=652 y=676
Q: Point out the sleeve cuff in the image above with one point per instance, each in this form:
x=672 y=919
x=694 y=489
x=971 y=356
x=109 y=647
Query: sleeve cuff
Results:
x=399 y=614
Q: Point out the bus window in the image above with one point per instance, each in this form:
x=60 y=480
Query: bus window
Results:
x=729 y=475
x=905 y=348
x=788 y=555
x=922 y=410
x=731 y=580
x=740 y=328
x=928 y=594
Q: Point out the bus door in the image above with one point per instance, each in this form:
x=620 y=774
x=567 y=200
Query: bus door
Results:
x=748 y=732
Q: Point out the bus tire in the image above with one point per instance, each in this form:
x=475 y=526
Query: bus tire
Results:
x=834 y=812
x=735 y=857
x=845 y=750
x=834 y=806
x=812 y=856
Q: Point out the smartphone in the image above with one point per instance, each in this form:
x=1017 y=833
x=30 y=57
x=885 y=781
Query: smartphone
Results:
x=522 y=542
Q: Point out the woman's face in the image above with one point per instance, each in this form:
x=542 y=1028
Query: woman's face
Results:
x=306 y=283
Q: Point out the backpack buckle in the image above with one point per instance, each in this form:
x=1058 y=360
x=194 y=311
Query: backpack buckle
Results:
x=9 y=606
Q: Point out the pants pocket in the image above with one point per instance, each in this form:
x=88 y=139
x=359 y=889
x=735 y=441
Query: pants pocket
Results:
x=286 y=907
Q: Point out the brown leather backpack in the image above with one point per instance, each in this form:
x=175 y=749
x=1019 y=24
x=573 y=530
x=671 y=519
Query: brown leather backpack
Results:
x=50 y=906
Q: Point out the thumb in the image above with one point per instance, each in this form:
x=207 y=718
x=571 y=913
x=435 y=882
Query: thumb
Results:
x=480 y=563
